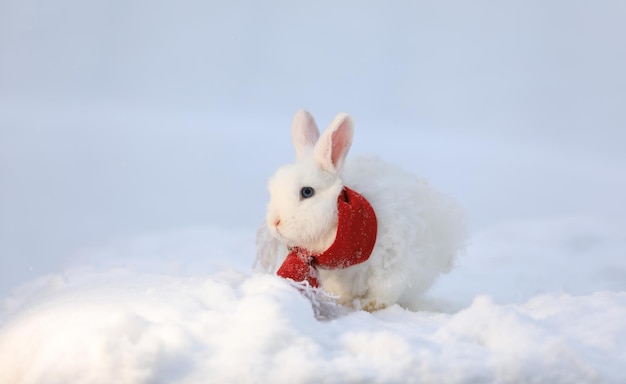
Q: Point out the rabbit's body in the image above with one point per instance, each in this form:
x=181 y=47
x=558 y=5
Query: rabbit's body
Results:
x=419 y=230
x=419 y=234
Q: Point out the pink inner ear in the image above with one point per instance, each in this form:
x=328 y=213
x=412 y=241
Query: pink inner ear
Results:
x=341 y=140
x=341 y=144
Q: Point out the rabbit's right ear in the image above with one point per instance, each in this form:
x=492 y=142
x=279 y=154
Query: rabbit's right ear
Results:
x=304 y=133
x=333 y=146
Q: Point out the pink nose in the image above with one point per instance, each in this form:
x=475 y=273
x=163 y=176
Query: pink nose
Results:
x=277 y=221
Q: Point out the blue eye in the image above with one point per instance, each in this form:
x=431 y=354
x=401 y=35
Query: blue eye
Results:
x=307 y=192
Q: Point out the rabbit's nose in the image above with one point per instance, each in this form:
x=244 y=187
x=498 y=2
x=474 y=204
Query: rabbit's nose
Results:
x=277 y=221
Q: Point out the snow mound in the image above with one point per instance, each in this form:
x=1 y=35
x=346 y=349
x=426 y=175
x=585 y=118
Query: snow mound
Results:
x=124 y=327
x=127 y=321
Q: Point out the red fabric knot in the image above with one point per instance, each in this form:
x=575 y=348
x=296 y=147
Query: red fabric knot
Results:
x=356 y=236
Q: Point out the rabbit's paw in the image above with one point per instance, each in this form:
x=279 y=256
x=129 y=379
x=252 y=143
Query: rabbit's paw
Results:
x=372 y=305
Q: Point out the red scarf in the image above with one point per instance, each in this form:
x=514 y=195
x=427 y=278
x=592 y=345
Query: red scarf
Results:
x=356 y=236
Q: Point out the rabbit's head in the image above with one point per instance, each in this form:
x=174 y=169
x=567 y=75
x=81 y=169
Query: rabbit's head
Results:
x=303 y=196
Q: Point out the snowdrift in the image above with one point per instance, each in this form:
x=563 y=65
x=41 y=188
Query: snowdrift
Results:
x=201 y=316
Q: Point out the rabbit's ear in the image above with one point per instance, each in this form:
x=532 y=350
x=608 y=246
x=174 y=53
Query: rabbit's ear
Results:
x=304 y=133
x=333 y=146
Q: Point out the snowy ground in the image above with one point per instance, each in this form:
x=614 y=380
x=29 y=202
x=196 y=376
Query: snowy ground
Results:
x=536 y=301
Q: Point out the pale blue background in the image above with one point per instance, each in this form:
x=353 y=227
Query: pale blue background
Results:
x=125 y=117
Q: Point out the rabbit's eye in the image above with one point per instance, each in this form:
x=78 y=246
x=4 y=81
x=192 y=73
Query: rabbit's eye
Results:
x=307 y=192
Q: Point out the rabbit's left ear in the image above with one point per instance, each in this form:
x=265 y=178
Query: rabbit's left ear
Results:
x=304 y=133
x=333 y=146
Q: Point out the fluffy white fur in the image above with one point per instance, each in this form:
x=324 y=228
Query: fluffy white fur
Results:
x=419 y=230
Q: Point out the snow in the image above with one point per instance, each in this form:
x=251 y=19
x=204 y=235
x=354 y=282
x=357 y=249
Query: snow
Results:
x=504 y=315
x=136 y=141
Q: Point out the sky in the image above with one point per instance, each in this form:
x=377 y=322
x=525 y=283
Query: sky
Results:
x=119 y=118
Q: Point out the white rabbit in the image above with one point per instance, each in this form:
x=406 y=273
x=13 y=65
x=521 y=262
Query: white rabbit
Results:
x=419 y=231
